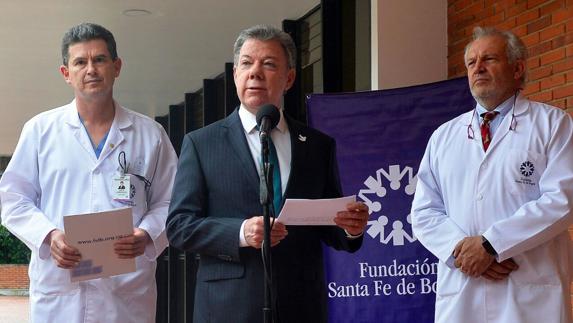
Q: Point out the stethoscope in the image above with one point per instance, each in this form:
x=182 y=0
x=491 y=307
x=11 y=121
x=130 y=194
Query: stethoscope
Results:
x=512 y=124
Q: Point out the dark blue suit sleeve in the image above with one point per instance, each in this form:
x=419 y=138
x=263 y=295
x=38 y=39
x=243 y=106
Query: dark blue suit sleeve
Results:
x=188 y=226
x=335 y=236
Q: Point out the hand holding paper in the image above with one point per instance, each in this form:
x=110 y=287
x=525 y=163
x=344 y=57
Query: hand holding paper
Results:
x=344 y=212
x=94 y=235
x=132 y=245
x=64 y=255
x=254 y=229
x=354 y=219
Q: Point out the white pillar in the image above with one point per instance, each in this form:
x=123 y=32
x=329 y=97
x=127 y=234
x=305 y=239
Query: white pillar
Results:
x=409 y=42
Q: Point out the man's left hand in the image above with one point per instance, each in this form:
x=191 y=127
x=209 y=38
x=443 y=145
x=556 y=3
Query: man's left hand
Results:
x=132 y=245
x=471 y=257
x=354 y=219
x=500 y=270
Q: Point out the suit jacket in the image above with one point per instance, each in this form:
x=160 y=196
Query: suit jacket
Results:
x=216 y=189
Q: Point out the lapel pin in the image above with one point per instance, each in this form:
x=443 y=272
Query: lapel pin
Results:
x=302 y=138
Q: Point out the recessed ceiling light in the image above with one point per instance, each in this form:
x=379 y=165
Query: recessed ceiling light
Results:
x=136 y=12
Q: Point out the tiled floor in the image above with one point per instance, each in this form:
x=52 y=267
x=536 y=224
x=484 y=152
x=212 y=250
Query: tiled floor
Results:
x=14 y=309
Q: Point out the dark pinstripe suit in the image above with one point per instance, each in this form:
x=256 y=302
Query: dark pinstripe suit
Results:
x=216 y=189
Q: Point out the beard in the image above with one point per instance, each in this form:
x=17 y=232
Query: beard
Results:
x=483 y=93
x=490 y=95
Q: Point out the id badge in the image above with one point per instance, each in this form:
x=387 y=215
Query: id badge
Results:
x=121 y=187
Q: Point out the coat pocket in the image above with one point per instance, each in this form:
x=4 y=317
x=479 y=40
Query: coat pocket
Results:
x=211 y=269
x=537 y=266
x=450 y=281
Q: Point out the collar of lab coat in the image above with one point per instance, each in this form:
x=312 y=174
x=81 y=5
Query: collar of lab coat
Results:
x=521 y=107
x=121 y=119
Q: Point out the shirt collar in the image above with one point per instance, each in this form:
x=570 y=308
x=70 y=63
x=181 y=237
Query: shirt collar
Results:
x=249 y=120
x=503 y=108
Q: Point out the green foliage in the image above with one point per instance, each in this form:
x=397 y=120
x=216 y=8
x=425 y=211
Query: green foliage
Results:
x=12 y=250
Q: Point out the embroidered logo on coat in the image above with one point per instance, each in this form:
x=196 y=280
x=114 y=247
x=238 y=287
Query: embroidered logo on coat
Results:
x=527 y=168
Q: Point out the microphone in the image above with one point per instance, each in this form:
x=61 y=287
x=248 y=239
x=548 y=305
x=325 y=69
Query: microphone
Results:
x=268 y=117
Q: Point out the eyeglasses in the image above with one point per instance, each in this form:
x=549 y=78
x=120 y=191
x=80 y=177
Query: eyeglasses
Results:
x=512 y=124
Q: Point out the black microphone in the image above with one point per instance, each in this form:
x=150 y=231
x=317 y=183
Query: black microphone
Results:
x=268 y=117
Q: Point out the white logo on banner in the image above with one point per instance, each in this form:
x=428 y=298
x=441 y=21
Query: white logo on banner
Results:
x=389 y=277
x=375 y=188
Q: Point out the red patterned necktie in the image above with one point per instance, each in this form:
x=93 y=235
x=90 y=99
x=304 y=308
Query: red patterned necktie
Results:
x=485 y=133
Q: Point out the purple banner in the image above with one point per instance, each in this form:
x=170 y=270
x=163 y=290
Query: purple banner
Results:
x=381 y=137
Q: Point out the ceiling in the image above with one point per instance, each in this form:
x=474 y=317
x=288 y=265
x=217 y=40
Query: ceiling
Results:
x=165 y=54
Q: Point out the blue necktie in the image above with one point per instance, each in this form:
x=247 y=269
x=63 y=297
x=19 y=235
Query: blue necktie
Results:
x=277 y=188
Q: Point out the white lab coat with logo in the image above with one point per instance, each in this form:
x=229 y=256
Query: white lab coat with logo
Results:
x=523 y=209
x=54 y=172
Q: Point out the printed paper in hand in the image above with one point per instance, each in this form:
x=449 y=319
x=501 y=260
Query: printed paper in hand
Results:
x=313 y=212
x=94 y=235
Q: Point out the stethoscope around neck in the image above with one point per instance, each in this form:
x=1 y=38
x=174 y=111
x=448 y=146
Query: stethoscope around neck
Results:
x=512 y=124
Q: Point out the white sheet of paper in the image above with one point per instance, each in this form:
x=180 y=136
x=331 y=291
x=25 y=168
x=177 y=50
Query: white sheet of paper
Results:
x=313 y=212
x=94 y=235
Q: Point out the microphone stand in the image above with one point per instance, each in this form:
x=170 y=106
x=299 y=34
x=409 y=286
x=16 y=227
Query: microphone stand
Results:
x=266 y=198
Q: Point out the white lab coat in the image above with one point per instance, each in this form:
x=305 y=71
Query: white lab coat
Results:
x=463 y=191
x=54 y=172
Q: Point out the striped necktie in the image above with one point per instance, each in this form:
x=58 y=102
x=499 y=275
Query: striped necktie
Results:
x=277 y=187
x=485 y=131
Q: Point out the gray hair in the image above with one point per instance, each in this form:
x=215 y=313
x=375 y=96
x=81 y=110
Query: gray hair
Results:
x=265 y=33
x=514 y=47
x=86 y=32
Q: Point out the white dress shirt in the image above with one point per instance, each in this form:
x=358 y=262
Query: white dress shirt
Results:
x=504 y=108
x=280 y=136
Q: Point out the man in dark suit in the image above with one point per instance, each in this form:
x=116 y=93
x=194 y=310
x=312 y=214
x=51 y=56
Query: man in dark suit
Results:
x=215 y=209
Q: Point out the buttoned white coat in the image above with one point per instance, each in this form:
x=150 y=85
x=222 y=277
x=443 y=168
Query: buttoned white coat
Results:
x=54 y=172
x=519 y=196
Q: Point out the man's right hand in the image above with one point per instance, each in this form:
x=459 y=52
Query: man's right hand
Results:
x=254 y=232
x=500 y=270
x=64 y=255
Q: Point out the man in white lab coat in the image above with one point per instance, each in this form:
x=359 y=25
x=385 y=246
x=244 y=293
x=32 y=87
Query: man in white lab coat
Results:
x=494 y=195
x=68 y=161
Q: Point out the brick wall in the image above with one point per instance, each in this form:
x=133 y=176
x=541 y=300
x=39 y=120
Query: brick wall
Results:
x=14 y=277
x=546 y=28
